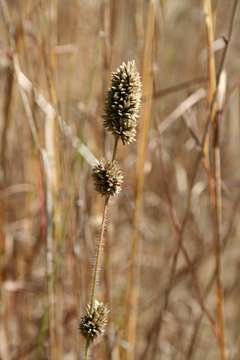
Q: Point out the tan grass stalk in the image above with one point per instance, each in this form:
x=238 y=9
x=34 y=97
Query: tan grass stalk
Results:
x=215 y=188
x=4 y=333
x=50 y=253
x=53 y=151
x=51 y=139
x=7 y=115
x=210 y=42
x=133 y=289
x=207 y=8
x=106 y=17
x=218 y=216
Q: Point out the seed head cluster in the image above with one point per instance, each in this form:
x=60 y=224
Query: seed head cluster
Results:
x=123 y=102
x=93 y=322
x=107 y=177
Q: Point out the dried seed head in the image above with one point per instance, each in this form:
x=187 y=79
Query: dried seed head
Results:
x=93 y=322
x=123 y=102
x=107 y=177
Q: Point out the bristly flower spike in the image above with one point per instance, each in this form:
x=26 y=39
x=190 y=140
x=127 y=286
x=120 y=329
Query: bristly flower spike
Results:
x=107 y=178
x=92 y=324
x=123 y=102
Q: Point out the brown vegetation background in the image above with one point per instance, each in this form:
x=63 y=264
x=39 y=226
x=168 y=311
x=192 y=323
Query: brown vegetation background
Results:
x=56 y=59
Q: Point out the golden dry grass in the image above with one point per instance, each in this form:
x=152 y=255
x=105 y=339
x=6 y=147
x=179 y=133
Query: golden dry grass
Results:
x=175 y=224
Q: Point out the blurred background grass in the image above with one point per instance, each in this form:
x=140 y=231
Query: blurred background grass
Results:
x=67 y=49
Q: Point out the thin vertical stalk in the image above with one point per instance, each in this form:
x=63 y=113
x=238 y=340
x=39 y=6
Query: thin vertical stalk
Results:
x=227 y=41
x=6 y=114
x=115 y=148
x=210 y=41
x=50 y=251
x=218 y=222
x=99 y=253
x=53 y=231
x=215 y=188
x=212 y=84
x=216 y=114
x=107 y=19
x=97 y=264
x=53 y=151
x=133 y=287
x=86 y=349
x=218 y=216
x=106 y=49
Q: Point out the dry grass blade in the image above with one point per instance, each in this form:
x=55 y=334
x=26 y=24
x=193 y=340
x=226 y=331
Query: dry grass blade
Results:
x=179 y=87
x=181 y=109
